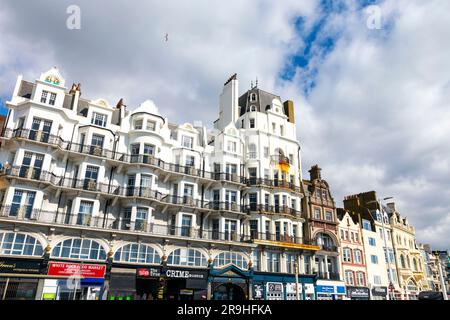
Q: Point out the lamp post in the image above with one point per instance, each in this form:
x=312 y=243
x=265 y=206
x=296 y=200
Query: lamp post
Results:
x=441 y=278
x=391 y=283
x=296 y=281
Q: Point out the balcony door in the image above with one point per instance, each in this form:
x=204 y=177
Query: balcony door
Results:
x=188 y=195
x=149 y=151
x=186 y=224
x=22 y=204
x=231 y=200
x=40 y=130
x=97 y=144
x=85 y=213
x=230 y=229
x=146 y=185
x=141 y=219
x=90 y=178
x=31 y=165
x=253 y=199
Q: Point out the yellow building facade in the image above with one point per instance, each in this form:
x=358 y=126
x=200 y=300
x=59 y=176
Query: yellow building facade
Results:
x=410 y=265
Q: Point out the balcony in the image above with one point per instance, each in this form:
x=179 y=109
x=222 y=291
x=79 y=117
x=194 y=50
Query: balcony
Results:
x=268 y=209
x=30 y=215
x=275 y=183
x=328 y=248
x=147 y=159
x=276 y=237
x=226 y=206
x=327 y=275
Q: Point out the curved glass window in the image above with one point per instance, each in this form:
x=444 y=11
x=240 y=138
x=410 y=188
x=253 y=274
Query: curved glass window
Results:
x=12 y=243
x=187 y=257
x=402 y=261
x=76 y=248
x=226 y=258
x=137 y=253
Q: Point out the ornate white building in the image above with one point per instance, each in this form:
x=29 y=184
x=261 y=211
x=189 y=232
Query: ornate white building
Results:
x=161 y=210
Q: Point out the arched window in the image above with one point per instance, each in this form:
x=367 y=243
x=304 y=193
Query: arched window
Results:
x=402 y=261
x=252 y=151
x=349 y=278
x=252 y=108
x=347 y=254
x=252 y=97
x=414 y=264
x=360 y=278
x=187 y=257
x=12 y=243
x=325 y=241
x=408 y=261
x=137 y=253
x=235 y=258
x=76 y=248
x=358 y=256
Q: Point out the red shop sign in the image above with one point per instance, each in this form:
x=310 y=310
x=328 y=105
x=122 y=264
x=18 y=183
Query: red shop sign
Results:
x=77 y=269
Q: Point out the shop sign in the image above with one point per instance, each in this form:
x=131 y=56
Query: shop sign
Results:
x=148 y=272
x=76 y=269
x=257 y=291
x=19 y=266
x=353 y=292
x=185 y=274
x=325 y=289
x=379 y=291
x=274 y=287
x=291 y=288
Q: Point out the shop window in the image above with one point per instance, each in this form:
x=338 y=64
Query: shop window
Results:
x=137 y=253
x=19 y=244
x=187 y=257
x=76 y=248
x=226 y=258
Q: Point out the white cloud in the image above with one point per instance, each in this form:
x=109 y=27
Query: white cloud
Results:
x=377 y=118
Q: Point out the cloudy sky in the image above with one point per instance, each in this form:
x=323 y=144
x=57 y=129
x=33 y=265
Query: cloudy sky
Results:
x=372 y=100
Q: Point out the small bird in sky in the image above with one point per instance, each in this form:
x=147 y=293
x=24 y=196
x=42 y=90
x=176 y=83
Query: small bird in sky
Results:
x=167 y=37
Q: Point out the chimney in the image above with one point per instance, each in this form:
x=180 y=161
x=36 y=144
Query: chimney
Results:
x=122 y=107
x=229 y=106
x=75 y=90
x=314 y=173
x=289 y=110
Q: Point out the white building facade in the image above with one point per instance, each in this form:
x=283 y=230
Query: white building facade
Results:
x=146 y=209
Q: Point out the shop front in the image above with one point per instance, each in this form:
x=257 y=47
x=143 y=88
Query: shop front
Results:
x=379 y=293
x=19 y=278
x=358 y=293
x=229 y=283
x=186 y=283
x=330 y=290
x=73 y=281
x=273 y=286
x=157 y=283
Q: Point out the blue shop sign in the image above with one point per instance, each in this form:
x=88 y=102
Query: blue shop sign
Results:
x=330 y=289
x=325 y=289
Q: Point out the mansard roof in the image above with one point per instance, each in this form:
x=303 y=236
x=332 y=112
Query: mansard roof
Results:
x=263 y=100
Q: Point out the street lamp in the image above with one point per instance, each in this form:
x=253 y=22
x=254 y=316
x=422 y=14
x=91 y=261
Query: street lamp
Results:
x=441 y=278
x=391 y=283
x=296 y=281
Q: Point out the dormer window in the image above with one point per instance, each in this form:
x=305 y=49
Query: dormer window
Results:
x=138 y=124
x=44 y=96
x=252 y=97
x=151 y=125
x=99 y=119
x=48 y=95
x=187 y=142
